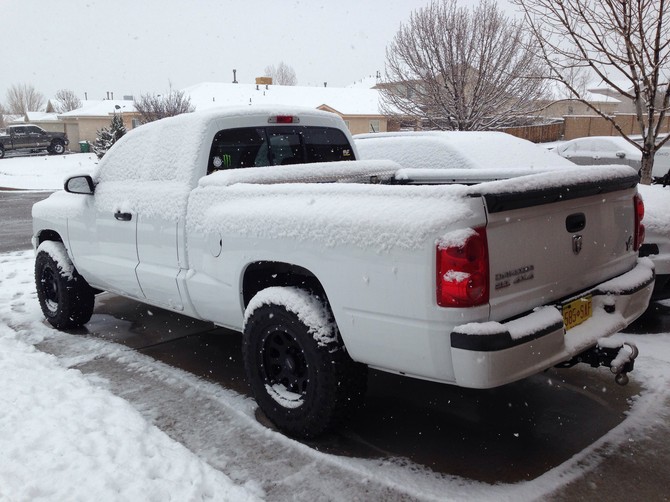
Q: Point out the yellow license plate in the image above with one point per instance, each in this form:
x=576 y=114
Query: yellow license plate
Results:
x=577 y=311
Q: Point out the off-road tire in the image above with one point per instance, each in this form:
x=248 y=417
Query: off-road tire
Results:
x=280 y=352
x=57 y=148
x=2 y=152
x=66 y=299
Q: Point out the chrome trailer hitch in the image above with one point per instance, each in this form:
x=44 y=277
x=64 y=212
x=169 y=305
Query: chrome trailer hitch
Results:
x=619 y=358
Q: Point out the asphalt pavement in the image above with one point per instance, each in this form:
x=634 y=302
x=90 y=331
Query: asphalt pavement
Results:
x=16 y=227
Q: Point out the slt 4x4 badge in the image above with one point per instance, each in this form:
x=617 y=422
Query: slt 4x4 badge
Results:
x=521 y=274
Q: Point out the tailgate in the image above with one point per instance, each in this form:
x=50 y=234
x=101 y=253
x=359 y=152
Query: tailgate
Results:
x=551 y=243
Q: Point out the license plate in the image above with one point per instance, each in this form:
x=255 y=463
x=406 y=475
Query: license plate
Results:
x=577 y=311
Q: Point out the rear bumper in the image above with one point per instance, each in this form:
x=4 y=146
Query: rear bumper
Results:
x=490 y=354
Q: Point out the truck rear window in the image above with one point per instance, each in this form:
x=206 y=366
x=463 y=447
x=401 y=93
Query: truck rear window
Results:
x=277 y=145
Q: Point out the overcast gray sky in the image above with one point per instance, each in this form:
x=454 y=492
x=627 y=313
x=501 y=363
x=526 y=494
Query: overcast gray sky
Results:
x=137 y=46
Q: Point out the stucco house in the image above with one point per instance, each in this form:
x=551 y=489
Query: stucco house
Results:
x=83 y=123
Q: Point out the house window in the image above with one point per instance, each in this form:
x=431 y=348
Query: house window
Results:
x=135 y=123
x=346 y=123
x=373 y=126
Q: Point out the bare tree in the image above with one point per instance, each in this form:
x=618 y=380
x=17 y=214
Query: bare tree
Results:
x=2 y=116
x=22 y=98
x=283 y=74
x=456 y=68
x=578 y=78
x=619 y=41
x=67 y=101
x=155 y=106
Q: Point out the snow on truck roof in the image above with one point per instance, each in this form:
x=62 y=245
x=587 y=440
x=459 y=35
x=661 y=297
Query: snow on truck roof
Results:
x=457 y=150
x=162 y=148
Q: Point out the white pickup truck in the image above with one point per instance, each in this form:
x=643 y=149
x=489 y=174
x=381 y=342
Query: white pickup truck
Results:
x=337 y=265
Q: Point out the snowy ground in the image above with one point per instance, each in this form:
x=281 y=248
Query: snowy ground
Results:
x=71 y=434
x=44 y=172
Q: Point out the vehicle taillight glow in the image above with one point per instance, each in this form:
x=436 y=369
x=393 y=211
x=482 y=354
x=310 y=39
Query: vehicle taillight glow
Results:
x=463 y=272
x=639 y=227
x=283 y=119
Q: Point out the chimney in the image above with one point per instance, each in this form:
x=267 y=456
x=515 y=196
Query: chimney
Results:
x=234 y=76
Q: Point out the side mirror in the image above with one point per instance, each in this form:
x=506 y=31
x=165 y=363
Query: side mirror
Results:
x=621 y=155
x=80 y=184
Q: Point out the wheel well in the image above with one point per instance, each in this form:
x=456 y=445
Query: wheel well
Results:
x=261 y=275
x=48 y=235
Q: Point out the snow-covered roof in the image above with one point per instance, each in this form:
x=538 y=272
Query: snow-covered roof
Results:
x=93 y=108
x=593 y=97
x=347 y=101
x=54 y=104
x=41 y=117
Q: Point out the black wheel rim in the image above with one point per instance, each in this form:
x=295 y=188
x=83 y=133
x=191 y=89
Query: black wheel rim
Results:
x=50 y=288
x=284 y=362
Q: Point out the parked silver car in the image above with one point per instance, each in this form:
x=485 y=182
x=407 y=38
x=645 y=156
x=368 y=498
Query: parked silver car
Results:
x=595 y=150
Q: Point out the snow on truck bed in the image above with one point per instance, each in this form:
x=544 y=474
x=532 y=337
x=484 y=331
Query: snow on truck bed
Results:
x=277 y=203
x=364 y=215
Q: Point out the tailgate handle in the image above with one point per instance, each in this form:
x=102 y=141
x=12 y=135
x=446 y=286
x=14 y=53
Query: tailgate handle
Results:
x=575 y=222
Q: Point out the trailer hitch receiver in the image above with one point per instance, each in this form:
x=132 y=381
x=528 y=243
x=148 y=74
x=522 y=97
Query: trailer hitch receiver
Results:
x=619 y=358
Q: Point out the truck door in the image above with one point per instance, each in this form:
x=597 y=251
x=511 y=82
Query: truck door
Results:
x=20 y=137
x=158 y=244
x=103 y=244
x=37 y=137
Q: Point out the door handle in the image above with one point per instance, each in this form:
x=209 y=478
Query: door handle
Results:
x=123 y=216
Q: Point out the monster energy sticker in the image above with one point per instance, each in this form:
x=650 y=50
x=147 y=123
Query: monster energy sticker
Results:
x=225 y=161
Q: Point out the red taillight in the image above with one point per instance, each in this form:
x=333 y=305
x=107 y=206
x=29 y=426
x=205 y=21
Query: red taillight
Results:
x=639 y=216
x=463 y=272
x=283 y=119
